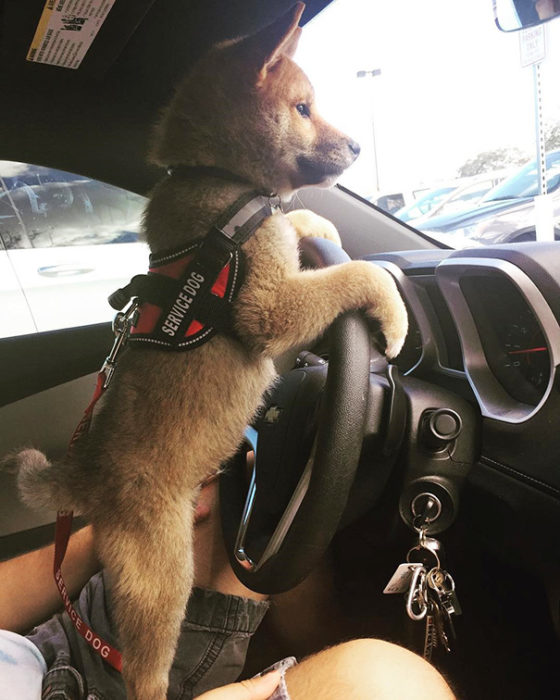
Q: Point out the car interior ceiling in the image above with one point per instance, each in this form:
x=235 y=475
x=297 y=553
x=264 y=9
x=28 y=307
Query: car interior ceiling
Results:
x=97 y=121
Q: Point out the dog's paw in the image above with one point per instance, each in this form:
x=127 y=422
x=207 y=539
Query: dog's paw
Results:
x=388 y=309
x=308 y=224
x=394 y=326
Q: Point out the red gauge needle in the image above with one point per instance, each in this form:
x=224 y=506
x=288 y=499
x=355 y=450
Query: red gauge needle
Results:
x=526 y=352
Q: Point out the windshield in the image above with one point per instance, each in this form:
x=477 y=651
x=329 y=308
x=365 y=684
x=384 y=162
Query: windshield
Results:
x=435 y=94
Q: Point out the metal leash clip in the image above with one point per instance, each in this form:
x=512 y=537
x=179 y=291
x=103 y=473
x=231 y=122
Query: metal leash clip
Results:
x=275 y=202
x=122 y=323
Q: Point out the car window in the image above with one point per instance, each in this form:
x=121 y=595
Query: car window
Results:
x=43 y=207
x=447 y=99
x=66 y=242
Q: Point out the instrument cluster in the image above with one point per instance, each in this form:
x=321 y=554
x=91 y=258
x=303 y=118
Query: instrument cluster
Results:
x=484 y=320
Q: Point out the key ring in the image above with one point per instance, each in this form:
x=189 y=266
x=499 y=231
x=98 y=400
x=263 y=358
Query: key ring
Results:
x=429 y=565
x=421 y=527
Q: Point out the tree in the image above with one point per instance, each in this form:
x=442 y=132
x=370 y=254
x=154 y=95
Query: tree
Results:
x=495 y=159
x=552 y=136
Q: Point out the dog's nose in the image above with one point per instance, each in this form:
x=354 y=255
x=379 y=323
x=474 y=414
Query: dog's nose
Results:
x=354 y=146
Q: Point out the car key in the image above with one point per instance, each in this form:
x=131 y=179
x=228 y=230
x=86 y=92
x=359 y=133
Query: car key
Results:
x=431 y=635
x=441 y=585
x=439 y=621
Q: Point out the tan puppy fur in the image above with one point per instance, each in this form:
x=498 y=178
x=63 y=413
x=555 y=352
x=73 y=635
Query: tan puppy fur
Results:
x=308 y=224
x=169 y=419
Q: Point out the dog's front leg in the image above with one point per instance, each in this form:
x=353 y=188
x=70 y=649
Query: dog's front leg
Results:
x=280 y=306
x=308 y=224
x=150 y=571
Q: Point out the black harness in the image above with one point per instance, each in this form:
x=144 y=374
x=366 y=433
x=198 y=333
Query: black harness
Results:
x=186 y=297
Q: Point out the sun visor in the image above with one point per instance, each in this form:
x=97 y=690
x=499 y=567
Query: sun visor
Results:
x=84 y=34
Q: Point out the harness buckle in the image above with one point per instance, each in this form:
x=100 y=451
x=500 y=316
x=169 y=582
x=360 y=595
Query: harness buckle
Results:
x=216 y=250
x=122 y=323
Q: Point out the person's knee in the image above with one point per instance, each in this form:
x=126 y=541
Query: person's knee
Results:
x=366 y=668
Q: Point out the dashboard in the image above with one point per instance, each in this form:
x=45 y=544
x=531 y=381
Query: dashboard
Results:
x=484 y=323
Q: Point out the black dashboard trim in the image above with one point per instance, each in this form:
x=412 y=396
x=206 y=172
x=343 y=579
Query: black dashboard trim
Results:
x=539 y=261
x=520 y=476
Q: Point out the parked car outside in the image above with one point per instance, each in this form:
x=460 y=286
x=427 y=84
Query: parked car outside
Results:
x=58 y=245
x=396 y=199
x=506 y=213
x=464 y=197
x=424 y=204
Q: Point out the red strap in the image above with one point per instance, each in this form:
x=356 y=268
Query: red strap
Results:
x=107 y=652
x=62 y=535
x=84 y=424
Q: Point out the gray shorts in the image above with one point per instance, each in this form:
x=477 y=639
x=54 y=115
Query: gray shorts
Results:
x=211 y=651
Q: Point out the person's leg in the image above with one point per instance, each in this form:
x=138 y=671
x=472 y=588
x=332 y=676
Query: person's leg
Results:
x=212 y=568
x=356 y=670
x=364 y=669
x=214 y=639
x=222 y=616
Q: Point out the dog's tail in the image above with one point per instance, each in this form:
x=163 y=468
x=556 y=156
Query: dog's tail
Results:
x=42 y=485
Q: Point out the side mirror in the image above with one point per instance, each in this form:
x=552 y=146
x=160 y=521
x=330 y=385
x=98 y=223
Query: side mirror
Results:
x=513 y=15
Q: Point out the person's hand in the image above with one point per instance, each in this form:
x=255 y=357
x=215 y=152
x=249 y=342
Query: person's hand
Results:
x=260 y=688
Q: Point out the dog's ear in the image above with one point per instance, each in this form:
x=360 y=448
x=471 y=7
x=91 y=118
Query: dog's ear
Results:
x=289 y=47
x=277 y=39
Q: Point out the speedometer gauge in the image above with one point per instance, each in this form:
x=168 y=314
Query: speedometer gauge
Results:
x=511 y=337
x=526 y=351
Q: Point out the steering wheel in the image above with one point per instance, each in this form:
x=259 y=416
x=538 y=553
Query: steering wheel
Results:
x=314 y=418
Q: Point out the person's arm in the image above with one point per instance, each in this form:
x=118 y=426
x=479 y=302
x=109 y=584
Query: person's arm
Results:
x=28 y=594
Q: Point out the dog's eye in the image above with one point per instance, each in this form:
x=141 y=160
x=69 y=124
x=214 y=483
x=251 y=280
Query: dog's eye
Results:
x=303 y=109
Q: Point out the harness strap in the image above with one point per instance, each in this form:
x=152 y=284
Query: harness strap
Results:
x=195 y=171
x=154 y=288
x=187 y=307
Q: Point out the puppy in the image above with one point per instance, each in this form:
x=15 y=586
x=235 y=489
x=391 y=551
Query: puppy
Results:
x=169 y=419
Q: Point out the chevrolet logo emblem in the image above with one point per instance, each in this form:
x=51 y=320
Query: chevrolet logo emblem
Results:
x=272 y=415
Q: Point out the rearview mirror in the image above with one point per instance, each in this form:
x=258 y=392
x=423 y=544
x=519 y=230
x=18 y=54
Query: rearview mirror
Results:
x=513 y=15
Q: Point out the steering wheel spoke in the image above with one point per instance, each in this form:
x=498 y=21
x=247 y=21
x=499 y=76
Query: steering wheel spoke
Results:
x=277 y=538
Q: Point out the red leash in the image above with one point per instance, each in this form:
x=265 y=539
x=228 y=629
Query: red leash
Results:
x=122 y=325
x=107 y=652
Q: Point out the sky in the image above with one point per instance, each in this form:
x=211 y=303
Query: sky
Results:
x=451 y=85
